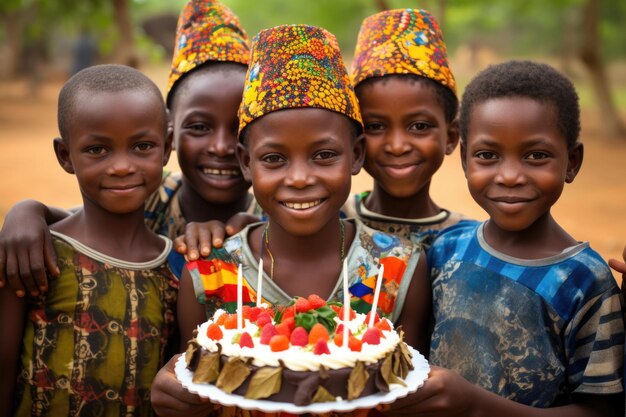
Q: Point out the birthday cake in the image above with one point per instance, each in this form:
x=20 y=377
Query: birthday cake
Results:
x=296 y=353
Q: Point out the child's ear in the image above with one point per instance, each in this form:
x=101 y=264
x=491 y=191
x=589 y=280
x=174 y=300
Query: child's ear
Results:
x=243 y=156
x=453 y=136
x=463 y=156
x=358 y=154
x=170 y=128
x=63 y=155
x=575 y=161
x=167 y=150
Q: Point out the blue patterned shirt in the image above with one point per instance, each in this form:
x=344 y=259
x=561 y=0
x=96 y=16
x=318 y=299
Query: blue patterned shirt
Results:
x=534 y=331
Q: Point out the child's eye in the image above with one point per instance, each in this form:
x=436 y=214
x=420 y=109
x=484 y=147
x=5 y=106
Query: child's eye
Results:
x=373 y=127
x=419 y=126
x=538 y=155
x=485 y=155
x=144 y=146
x=325 y=155
x=198 y=127
x=272 y=158
x=96 y=150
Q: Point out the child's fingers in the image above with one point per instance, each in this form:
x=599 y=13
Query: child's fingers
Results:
x=191 y=240
x=214 y=236
x=12 y=275
x=50 y=259
x=237 y=222
x=27 y=263
x=618 y=266
x=180 y=246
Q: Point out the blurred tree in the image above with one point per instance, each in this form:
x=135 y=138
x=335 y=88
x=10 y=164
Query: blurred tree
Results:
x=126 y=52
x=591 y=56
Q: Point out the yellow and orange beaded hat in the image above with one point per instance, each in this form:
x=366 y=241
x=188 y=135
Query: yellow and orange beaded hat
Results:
x=401 y=41
x=294 y=66
x=207 y=31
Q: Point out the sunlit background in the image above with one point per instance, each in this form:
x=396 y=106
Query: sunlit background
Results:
x=583 y=38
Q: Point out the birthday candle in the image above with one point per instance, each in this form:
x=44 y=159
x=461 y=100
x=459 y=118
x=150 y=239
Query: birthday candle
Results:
x=346 y=303
x=379 y=280
x=239 y=298
x=259 y=283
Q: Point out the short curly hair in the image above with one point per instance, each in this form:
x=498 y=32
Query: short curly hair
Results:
x=528 y=79
x=444 y=96
x=109 y=78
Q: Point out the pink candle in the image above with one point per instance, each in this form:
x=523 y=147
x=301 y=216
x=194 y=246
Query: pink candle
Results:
x=239 y=298
x=346 y=303
x=379 y=281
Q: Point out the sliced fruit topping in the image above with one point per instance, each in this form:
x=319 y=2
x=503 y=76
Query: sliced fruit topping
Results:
x=214 y=332
x=268 y=331
x=318 y=332
x=246 y=340
x=299 y=337
x=321 y=348
x=371 y=336
x=279 y=343
x=316 y=301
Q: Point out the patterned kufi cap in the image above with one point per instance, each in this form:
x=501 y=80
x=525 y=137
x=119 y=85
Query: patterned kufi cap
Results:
x=402 y=41
x=294 y=66
x=207 y=31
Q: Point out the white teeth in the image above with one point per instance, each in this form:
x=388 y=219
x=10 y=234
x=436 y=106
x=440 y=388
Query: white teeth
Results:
x=225 y=172
x=302 y=206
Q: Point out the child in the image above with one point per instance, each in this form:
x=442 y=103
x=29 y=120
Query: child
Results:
x=204 y=92
x=299 y=126
x=407 y=95
x=522 y=310
x=93 y=343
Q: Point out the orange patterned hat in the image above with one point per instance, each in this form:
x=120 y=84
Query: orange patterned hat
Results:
x=207 y=31
x=402 y=41
x=295 y=66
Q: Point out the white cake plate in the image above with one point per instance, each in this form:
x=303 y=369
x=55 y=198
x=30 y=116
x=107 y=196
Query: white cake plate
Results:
x=414 y=380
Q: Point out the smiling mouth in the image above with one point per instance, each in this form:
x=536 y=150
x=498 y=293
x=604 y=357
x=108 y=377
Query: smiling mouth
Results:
x=221 y=172
x=302 y=206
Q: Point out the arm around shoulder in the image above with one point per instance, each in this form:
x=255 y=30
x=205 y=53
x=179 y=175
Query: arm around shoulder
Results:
x=12 y=310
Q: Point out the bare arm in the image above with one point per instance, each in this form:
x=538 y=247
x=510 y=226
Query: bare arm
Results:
x=26 y=250
x=168 y=396
x=445 y=393
x=190 y=312
x=417 y=310
x=12 y=310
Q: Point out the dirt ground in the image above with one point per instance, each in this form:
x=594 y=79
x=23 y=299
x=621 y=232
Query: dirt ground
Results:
x=592 y=209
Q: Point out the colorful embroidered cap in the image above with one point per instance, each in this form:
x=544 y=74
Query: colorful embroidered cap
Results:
x=401 y=41
x=207 y=31
x=294 y=66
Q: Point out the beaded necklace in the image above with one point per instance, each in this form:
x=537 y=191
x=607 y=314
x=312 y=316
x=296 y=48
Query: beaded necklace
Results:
x=266 y=244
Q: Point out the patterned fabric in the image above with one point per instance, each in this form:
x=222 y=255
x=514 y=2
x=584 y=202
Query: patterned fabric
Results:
x=421 y=231
x=214 y=278
x=207 y=31
x=95 y=341
x=163 y=214
x=534 y=331
x=294 y=66
x=402 y=41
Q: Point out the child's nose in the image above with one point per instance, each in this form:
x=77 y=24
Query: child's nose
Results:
x=510 y=173
x=299 y=175
x=396 y=143
x=223 y=143
x=122 y=164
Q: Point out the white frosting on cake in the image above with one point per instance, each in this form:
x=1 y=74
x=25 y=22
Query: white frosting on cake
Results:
x=300 y=358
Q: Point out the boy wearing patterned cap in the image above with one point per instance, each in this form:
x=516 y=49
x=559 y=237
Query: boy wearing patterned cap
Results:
x=300 y=131
x=407 y=96
x=203 y=95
